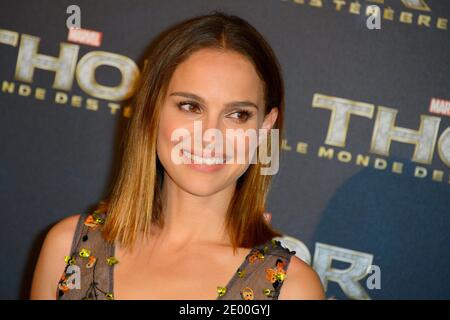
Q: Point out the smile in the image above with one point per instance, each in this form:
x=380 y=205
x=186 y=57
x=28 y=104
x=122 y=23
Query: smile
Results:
x=203 y=160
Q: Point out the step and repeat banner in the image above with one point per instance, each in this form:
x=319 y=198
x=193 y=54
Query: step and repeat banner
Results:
x=363 y=190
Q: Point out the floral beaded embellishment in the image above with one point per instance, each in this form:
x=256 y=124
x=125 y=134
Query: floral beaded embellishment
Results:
x=71 y=276
x=91 y=262
x=247 y=293
x=276 y=275
x=256 y=256
x=94 y=220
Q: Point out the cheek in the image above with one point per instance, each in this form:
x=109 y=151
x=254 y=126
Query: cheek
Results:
x=245 y=145
x=164 y=143
x=165 y=134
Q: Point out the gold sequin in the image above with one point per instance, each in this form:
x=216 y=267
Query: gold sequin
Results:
x=85 y=253
x=69 y=260
x=241 y=273
x=280 y=276
x=267 y=292
x=109 y=296
x=221 y=291
x=97 y=218
x=112 y=261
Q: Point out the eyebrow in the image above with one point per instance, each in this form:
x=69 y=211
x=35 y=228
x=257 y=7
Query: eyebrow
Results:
x=228 y=105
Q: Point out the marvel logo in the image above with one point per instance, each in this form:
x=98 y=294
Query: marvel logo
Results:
x=439 y=106
x=85 y=36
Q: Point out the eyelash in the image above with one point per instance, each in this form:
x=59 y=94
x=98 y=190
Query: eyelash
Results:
x=248 y=114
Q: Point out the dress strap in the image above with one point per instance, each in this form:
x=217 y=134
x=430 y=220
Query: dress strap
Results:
x=261 y=275
x=89 y=266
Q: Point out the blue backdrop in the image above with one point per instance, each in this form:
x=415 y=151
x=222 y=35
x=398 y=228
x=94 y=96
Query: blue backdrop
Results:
x=363 y=191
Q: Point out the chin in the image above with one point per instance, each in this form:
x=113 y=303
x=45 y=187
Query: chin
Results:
x=202 y=183
x=201 y=188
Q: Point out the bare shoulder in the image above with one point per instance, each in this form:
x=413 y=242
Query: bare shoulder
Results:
x=301 y=282
x=50 y=264
x=64 y=230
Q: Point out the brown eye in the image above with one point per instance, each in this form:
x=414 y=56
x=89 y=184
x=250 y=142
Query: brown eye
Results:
x=189 y=107
x=241 y=116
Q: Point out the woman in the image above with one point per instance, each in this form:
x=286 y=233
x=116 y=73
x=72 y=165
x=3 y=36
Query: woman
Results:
x=190 y=230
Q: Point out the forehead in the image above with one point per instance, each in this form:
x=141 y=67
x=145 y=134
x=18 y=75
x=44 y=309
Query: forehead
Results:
x=218 y=75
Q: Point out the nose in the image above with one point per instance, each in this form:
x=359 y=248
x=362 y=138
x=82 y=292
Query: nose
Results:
x=210 y=125
x=212 y=121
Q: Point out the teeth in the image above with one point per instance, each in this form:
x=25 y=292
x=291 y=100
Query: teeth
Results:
x=203 y=160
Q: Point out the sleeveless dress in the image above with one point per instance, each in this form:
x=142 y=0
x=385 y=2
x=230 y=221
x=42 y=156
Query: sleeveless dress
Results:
x=88 y=274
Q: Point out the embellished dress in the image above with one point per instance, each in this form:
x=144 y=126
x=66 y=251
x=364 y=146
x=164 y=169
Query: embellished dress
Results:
x=88 y=274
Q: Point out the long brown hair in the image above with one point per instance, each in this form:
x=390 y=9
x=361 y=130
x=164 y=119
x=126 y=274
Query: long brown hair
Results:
x=134 y=201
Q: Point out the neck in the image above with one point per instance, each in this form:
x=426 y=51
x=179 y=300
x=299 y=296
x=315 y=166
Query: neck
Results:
x=192 y=219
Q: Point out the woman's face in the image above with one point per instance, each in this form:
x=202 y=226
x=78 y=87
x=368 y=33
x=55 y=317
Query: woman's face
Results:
x=203 y=93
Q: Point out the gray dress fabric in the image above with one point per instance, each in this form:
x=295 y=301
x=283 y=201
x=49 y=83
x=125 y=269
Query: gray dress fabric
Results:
x=89 y=270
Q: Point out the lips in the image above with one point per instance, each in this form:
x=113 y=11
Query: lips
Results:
x=198 y=159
